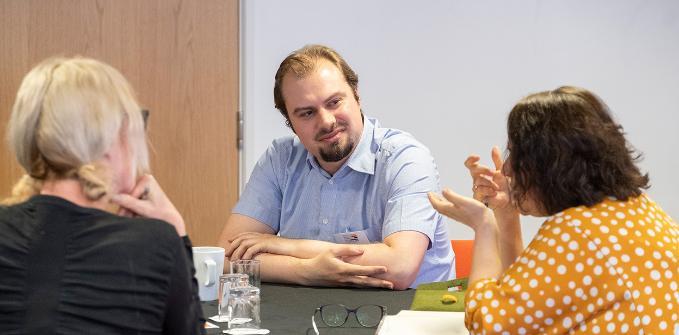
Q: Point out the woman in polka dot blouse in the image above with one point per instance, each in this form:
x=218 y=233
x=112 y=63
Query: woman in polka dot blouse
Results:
x=604 y=261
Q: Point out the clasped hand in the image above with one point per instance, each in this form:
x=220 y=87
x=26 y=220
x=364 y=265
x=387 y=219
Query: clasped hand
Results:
x=247 y=245
x=330 y=267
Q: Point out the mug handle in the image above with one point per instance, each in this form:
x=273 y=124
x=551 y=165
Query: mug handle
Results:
x=211 y=272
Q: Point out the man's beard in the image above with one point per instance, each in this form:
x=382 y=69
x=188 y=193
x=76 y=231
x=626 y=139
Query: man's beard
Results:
x=337 y=152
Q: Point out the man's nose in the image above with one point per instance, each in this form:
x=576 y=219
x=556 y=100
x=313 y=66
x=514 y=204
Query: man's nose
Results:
x=327 y=118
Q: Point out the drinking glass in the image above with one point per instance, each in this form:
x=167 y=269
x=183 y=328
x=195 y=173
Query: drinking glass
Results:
x=227 y=283
x=249 y=267
x=244 y=305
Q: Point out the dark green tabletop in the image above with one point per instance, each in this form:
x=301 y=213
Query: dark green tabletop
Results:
x=287 y=309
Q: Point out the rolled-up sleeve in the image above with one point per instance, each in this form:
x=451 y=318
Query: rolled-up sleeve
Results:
x=412 y=173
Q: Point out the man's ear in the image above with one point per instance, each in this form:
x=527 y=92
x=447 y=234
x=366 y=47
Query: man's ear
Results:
x=289 y=124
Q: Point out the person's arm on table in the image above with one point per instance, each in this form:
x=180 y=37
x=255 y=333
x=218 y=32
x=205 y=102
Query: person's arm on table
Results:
x=401 y=253
x=411 y=174
x=323 y=268
x=263 y=196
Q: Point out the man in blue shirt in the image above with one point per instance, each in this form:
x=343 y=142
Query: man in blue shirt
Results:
x=344 y=202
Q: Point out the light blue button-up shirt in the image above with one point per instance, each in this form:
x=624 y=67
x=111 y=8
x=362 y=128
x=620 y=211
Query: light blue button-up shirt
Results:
x=380 y=190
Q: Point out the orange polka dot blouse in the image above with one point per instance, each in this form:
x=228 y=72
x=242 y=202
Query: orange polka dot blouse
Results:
x=608 y=269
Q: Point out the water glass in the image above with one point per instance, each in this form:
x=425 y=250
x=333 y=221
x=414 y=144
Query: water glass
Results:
x=244 y=305
x=249 y=267
x=227 y=283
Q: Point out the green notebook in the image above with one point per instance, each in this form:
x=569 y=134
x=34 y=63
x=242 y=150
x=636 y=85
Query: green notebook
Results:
x=428 y=296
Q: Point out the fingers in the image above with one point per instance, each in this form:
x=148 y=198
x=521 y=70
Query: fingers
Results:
x=130 y=203
x=124 y=212
x=345 y=251
x=497 y=158
x=483 y=193
x=147 y=199
x=366 y=281
x=443 y=206
x=251 y=252
x=437 y=202
x=247 y=245
x=235 y=250
x=238 y=248
x=471 y=161
x=486 y=181
x=475 y=168
x=452 y=196
x=142 y=187
x=349 y=269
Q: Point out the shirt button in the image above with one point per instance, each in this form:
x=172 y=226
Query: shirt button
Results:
x=325 y=221
x=331 y=182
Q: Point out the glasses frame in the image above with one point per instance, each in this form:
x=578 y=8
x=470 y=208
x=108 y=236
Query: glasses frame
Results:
x=349 y=311
x=145 y=113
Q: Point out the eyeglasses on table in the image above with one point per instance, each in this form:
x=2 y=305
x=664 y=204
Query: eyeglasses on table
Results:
x=336 y=315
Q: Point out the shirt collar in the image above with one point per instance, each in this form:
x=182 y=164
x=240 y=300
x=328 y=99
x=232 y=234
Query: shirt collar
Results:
x=363 y=157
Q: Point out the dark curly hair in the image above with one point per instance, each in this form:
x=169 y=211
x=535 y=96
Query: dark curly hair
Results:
x=565 y=150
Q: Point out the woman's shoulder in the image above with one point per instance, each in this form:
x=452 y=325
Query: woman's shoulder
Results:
x=143 y=228
x=608 y=209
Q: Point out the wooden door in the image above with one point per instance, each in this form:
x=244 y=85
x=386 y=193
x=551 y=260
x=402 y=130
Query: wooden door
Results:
x=181 y=57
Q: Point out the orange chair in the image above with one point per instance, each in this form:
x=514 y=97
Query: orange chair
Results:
x=463 y=257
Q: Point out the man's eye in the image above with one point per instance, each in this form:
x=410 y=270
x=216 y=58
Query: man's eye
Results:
x=334 y=102
x=305 y=114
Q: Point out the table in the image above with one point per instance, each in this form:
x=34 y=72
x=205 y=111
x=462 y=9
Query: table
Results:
x=287 y=309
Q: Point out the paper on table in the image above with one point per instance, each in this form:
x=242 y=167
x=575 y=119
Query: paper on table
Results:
x=217 y=318
x=210 y=325
x=421 y=322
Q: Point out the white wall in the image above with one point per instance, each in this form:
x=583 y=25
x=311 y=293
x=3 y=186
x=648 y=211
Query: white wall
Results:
x=449 y=71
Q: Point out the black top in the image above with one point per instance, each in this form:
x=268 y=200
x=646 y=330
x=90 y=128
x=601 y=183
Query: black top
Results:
x=66 y=269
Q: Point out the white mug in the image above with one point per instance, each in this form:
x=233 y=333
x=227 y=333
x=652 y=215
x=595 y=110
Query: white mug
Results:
x=209 y=263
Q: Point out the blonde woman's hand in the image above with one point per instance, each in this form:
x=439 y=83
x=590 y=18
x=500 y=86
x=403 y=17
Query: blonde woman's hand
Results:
x=147 y=199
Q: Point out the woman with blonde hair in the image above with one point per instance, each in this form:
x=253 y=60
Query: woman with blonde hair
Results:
x=89 y=243
x=606 y=258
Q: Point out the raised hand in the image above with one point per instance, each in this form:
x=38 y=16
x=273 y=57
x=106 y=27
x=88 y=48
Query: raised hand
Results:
x=490 y=186
x=147 y=199
x=466 y=210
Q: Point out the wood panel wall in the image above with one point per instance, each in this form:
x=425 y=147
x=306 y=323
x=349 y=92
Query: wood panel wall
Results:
x=181 y=56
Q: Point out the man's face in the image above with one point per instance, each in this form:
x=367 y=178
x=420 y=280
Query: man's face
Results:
x=324 y=114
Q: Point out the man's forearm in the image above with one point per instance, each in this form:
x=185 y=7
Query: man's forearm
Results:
x=326 y=269
x=402 y=265
x=402 y=255
x=281 y=269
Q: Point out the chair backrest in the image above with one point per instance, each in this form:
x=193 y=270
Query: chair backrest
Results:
x=463 y=257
